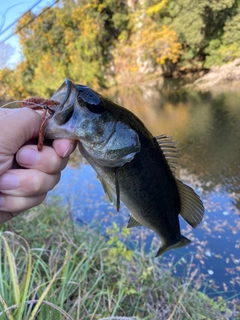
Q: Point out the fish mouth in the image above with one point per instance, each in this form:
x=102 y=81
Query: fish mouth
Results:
x=66 y=95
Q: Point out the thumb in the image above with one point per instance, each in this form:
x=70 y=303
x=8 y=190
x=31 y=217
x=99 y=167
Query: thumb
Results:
x=18 y=127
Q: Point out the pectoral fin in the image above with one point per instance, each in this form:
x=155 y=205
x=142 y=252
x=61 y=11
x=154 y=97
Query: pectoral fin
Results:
x=117 y=189
x=112 y=197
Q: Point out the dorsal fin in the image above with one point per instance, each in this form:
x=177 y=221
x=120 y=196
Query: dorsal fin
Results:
x=169 y=150
x=192 y=209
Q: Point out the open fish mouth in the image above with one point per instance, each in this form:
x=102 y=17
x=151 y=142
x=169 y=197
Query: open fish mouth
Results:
x=60 y=106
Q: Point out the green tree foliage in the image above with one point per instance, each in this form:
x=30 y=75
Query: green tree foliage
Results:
x=200 y=26
x=73 y=40
x=227 y=47
x=93 y=41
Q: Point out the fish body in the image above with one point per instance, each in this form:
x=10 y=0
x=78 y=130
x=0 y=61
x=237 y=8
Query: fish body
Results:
x=132 y=165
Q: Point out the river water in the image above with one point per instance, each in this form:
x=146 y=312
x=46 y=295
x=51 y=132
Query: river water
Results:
x=207 y=127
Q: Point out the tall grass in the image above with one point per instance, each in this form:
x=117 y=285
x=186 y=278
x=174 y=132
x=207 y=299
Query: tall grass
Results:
x=50 y=269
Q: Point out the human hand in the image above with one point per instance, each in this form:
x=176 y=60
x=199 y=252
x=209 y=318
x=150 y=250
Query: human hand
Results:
x=26 y=175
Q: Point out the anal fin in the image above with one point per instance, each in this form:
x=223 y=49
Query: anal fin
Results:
x=133 y=222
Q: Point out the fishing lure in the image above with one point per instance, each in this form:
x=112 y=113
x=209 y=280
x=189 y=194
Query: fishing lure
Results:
x=48 y=107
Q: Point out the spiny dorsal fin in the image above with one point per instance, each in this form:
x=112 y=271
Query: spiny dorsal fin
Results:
x=169 y=150
x=192 y=209
x=132 y=222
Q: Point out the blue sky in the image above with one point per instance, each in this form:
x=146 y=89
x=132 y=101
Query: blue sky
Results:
x=11 y=10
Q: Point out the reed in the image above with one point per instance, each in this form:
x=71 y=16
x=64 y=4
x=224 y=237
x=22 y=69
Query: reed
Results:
x=51 y=269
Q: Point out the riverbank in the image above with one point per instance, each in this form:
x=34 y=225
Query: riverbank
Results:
x=63 y=271
x=220 y=78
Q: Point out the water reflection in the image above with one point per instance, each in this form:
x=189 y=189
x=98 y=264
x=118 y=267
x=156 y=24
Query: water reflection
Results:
x=206 y=126
x=207 y=129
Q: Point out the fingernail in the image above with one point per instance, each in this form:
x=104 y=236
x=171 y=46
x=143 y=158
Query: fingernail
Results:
x=2 y=202
x=8 y=181
x=69 y=150
x=27 y=157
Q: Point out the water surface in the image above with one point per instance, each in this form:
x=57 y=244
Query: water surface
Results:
x=207 y=128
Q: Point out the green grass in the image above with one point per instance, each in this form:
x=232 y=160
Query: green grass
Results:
x=52 y=270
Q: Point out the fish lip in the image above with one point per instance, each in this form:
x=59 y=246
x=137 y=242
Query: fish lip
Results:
x=64 y=109
x=69 y=85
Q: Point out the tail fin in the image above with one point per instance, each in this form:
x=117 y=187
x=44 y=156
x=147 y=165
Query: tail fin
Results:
x=182 y=243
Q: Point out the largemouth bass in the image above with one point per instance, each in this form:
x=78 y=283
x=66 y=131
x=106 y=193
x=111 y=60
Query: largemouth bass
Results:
x=132 y=165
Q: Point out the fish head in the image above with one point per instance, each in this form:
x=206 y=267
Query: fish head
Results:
x=94 y=121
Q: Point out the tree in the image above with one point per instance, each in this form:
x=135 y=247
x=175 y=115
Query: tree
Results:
x=92 y=42
x=73 y=40
x=199 y=26
x=226 y=47
x=148 y=44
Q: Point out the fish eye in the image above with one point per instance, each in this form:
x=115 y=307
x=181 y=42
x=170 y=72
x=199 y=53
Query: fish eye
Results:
x=93 y=102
